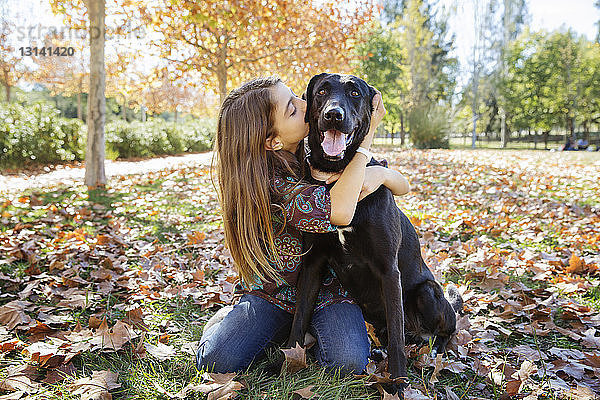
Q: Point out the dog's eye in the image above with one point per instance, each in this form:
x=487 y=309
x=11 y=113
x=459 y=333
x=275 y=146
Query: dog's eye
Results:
x=322 y=92
x=354 y=93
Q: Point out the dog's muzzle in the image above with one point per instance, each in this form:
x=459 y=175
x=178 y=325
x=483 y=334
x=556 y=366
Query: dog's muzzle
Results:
x=334 y=143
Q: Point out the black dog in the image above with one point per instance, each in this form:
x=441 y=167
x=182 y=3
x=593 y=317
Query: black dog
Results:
x=377 y=257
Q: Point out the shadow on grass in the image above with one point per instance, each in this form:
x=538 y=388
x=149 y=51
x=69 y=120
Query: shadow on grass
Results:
x=105 y=197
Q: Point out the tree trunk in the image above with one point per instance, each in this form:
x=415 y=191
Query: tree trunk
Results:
x=503 y=128
x=586 y=132
x=222 y=77
x=143 y=108
x=572 y=126
x=175 y=116
x=79 y=112
x=7 y=89
x=124 y=110
x=94 y=157
x=402 y=133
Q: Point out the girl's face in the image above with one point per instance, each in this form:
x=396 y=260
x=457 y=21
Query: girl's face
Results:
x=289 y=119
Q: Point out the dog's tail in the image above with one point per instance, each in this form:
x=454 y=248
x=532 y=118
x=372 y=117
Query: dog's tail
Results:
x=454 y=298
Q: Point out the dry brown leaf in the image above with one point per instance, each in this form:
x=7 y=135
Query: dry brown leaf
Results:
x=135 y=317
x=94 y=322
x=12 y=314
x=97 y=387
x=75 y=301
x=590 y=340
x=438 y=367
x=60 y=373
x=388 y=396
x=218 y=387
x=411 y=393
x=47 y=355
x=113 y=338
x=450 y=395
x=198 y=275
x=13 y=396
x=295 y=359
x=527 y=368
x=576 y=265
x=160 y=351
x=20 y=378
x=306 y=393
x=582 y=393
x=513 y=386
x=10 y=345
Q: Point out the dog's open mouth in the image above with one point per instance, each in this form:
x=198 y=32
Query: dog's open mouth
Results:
x=334 y=143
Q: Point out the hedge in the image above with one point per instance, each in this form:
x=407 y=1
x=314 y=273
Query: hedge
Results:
x=158 y=137
x=37 y=134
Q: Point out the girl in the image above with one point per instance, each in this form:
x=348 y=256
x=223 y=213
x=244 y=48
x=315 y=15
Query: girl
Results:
x=266 y=206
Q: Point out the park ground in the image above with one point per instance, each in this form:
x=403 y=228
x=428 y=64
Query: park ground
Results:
x=109 y=291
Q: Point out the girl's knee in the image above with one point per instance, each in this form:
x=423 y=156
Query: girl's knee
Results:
x=218 y=359
x=346 y=363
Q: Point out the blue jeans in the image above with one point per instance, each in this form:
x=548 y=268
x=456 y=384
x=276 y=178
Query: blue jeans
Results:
x=254 y=324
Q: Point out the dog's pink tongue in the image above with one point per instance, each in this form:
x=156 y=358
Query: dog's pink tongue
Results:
x=333 y=142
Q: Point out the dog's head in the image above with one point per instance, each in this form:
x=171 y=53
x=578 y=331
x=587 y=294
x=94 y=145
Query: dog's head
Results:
x=338 y=112
x=431 y=315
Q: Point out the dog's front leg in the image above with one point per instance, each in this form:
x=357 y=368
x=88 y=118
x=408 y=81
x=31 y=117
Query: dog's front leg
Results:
x=394 y=312
x=307 y=290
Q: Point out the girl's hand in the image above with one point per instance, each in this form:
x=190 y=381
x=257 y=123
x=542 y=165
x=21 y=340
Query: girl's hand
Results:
x=374 y=177
x=376 y=117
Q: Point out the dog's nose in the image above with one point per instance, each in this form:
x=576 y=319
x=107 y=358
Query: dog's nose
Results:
x=334 y=114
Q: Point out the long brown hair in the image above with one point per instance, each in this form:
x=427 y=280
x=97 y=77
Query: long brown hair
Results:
x=245 y=171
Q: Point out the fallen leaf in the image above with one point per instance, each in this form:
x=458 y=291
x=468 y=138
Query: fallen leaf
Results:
x=97 y=387
x=306 y=393
x=13 y=314
x=576 y=265
x=295 y=359
x=113 y=338
x=61 y=373
x=437 y=368
x=20 y=378
x=450 y=395
x=160 y=351
x=411 y=393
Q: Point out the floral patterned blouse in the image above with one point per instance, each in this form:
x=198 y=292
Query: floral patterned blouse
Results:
x=307 y=209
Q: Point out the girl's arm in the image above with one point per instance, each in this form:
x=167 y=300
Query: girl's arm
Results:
x=375 y=176
x=345 y=192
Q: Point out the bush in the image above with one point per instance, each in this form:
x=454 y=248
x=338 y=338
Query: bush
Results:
x=429 y=126
x=37 y=133
x=158 y=137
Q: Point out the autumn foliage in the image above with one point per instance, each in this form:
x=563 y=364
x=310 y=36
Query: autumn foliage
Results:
x=228 y=43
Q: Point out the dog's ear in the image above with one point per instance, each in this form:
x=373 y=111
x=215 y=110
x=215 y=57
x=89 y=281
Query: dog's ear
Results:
x=308 y=95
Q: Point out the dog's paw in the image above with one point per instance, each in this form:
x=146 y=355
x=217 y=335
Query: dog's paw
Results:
x=378 y=354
